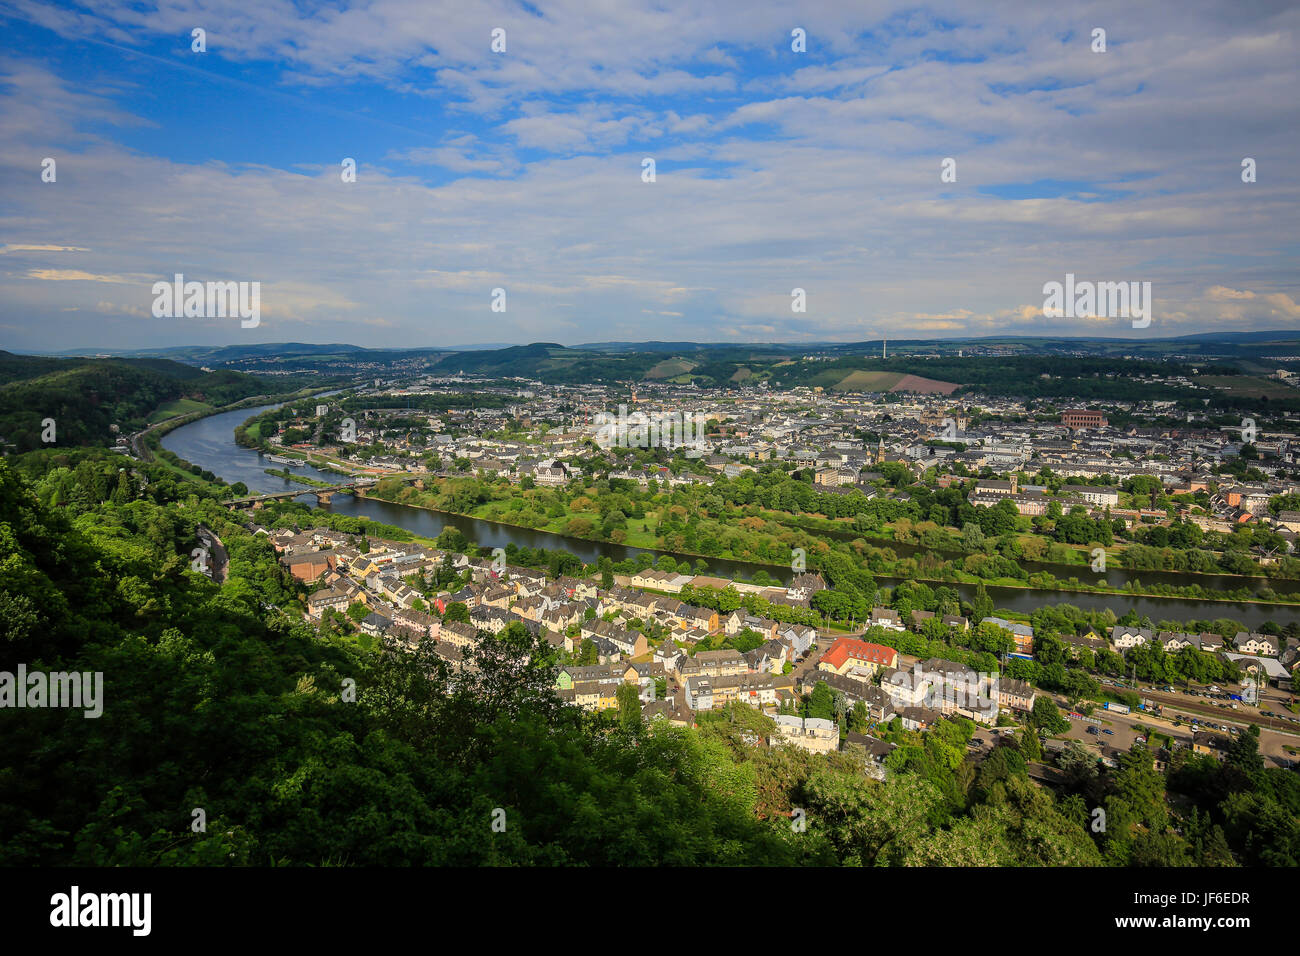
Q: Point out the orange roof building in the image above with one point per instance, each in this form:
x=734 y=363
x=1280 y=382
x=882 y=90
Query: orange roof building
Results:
x=849 y=653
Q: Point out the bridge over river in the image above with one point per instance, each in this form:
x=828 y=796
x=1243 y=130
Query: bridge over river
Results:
x=323 y=493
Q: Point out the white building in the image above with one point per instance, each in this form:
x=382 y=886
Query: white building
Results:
x=809 y=733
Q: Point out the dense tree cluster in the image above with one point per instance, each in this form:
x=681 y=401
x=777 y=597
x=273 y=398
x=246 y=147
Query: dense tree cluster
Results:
x=84 y=397
x=302 y=747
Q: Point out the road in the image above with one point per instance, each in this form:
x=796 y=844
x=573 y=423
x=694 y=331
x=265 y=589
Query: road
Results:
x=1271 y=744
x=219 y=564
x=1124 y=732
x=1222 y=711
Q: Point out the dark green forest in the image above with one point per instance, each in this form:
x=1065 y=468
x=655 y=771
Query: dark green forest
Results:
x=86 y=396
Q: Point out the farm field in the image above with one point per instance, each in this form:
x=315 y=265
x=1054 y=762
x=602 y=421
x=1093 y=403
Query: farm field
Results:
x=1248 y=386
x=670 y=368
x=869 y=381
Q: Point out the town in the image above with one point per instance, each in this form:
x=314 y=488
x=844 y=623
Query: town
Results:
x=600 y=635
x=1005 y=482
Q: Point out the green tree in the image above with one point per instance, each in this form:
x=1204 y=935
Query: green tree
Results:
x=1046 y=716
x=629 y=707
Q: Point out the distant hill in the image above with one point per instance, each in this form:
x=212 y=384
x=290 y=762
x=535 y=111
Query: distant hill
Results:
x=932 y=365
x=86 y=396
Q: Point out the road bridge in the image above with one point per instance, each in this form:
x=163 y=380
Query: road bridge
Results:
x=323 y=494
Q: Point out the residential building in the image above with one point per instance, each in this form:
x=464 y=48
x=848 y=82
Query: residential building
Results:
x=808 y=733
x=850 y=654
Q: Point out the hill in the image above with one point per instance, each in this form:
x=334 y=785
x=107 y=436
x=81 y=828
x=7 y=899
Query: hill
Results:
x=85 y=397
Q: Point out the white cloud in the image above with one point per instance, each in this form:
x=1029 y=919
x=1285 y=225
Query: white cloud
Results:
x=774 y=171
x=18 y=247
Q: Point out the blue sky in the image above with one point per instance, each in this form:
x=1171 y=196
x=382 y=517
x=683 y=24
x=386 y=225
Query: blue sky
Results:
x=522 y=170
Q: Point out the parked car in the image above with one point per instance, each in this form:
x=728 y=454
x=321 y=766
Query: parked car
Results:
x=1108 y=732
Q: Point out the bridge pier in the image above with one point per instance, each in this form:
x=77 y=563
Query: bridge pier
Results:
x=323 y=497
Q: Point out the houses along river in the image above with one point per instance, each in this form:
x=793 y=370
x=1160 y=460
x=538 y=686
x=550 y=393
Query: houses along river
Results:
x=210 y=444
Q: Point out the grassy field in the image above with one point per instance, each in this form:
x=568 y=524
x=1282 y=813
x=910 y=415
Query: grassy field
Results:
x=670 y=368
x=1248 y=386
x=181 y=406
x=187 y=476
x=864 y=381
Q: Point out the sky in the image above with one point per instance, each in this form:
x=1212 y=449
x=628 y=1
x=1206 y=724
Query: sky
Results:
x=524 y=169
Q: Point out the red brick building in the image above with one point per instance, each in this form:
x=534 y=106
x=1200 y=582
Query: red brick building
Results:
x=1082 y=418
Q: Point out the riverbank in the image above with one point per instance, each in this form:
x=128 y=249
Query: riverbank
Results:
x=209 y=442
x=149 y=440
x=287 y=475
x=960 y=578
x=843 y=529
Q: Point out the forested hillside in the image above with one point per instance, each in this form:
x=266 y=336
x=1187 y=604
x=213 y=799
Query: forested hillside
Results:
x=86 y=396
x=221 y=698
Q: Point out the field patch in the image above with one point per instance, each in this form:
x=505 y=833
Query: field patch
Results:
x=181 y=406
x=1248 y=386
x=670 y=368
x=865 y=381
x=926 y=386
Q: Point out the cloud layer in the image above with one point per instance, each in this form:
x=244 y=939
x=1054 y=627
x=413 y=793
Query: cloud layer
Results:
x=523 y=170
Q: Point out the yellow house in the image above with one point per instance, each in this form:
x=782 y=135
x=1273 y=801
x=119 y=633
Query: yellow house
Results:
x=596 y=695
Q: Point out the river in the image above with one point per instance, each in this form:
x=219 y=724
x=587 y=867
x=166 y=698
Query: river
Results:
x=210 y=444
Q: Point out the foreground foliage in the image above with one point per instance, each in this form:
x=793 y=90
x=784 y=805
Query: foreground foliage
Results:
x=220 y=698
